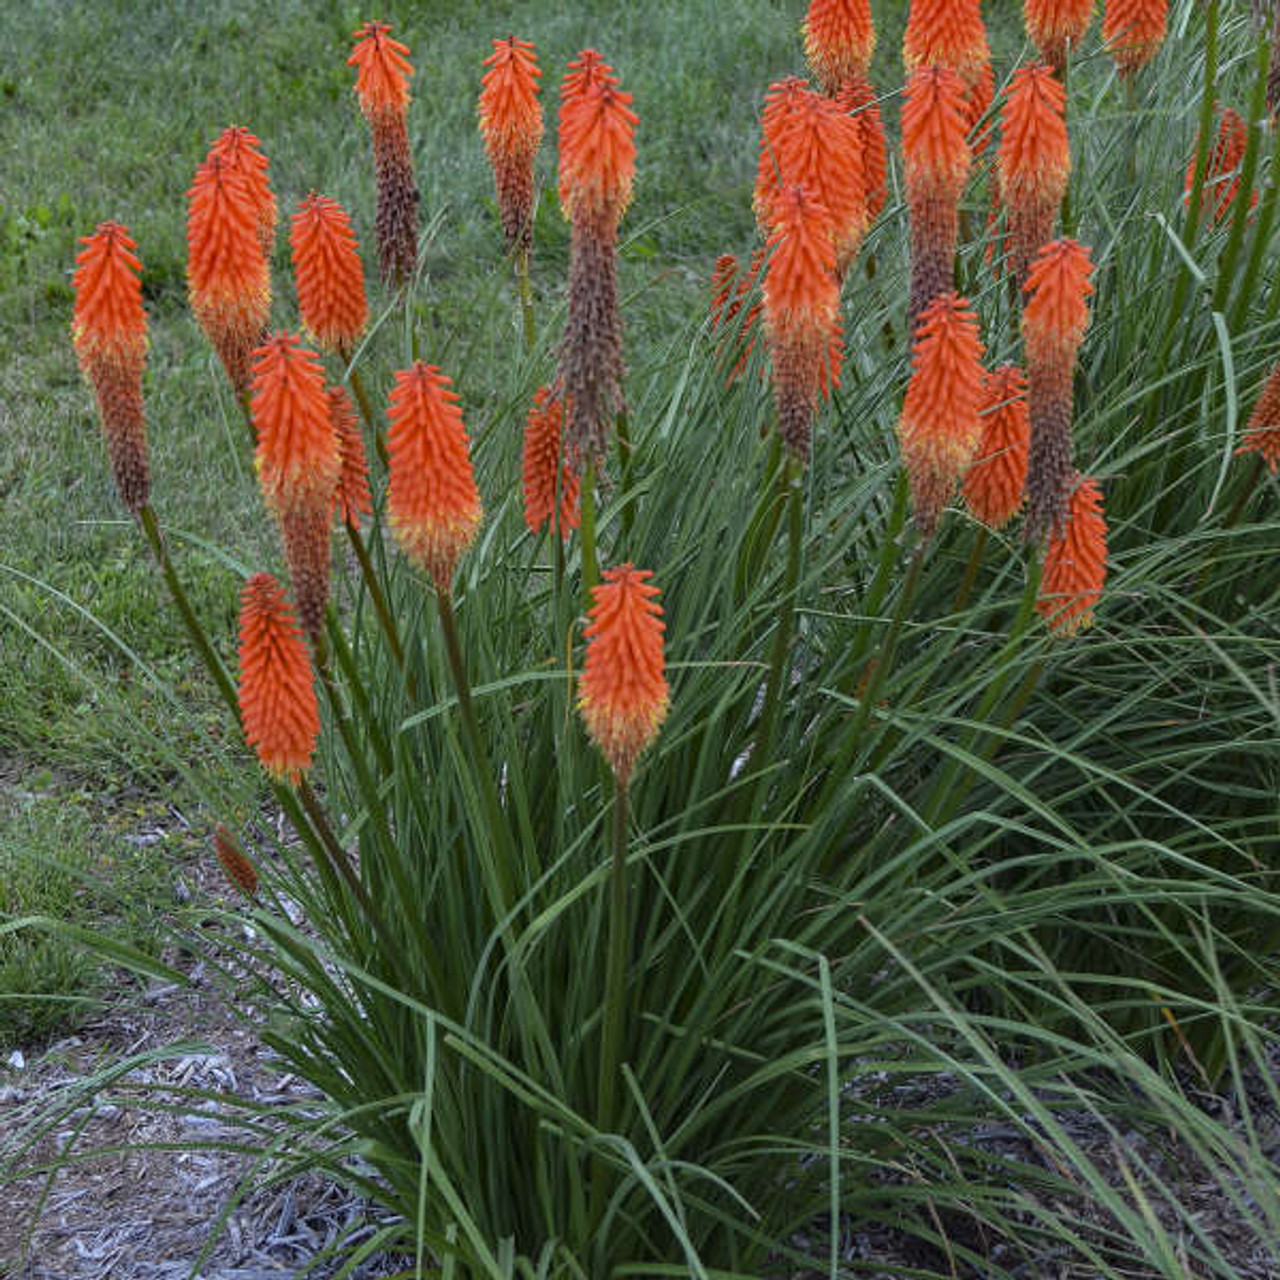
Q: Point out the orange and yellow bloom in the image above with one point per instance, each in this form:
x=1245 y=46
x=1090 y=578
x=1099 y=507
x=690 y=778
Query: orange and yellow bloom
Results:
x=329 y=274
x=1057 y=26
x=109 y=333
x=277 y=690
x=511 y=126
x=433 y=500
x=940 y=427
x=839 y=40
x=239 y=150
x=994 y=484
x=623 y=693
x=1075 y=564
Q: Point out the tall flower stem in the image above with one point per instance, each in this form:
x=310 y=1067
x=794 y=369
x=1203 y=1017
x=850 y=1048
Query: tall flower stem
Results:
x=590 y=565
x=380 y=605
x=501 y=859
x=613 y=1014
x=625 y=455
x=971 y=570
x=526 y=299
x=367 y=413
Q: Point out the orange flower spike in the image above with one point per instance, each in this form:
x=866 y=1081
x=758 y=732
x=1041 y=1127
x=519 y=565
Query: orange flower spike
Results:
x=623 y=694
x=1222 y=168
x=978 y=102
x=1263 y=433
x=994 y=484
x=936 y=162
x=382 y=85
x=240 y=151
x=1033 y=163
x=277 y=689
x=434 y=503
x=1055 y=26
x=839 y=41
x=228 y=279
x=940 y=427
x=1054 y=318
x=511 y=126
x=329 y=274
x=1133 y=31
x=723 y=276
x=1075 y=564
x=858 y=98
x=597 y=155
x=240 y=872
x=947 y=33
x=544 y=456
x=109 y=333
x=586 y=70
x=821 y=150
x=783 y=105
x=801 y=314
x=352 y=498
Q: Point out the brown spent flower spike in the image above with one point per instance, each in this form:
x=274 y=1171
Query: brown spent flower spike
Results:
x=994 y=485
x=329 y=274
x=511 y=126
x=382 y=85
x=545 y=466
x=940 y=427
x=1054 y=318
x=623 y=693
x=240 y=872
x=277 y=689
x=1075 y=564
x=432 y=497
x=109 y=333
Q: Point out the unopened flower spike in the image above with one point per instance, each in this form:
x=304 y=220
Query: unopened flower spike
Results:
x=1075 y=563
x=1221 y=183
x=109 y=332
x=995 y=483
x=545 y=462
x=352 y=498
x=1263 y=433
x=329 y=274
x=623 y=693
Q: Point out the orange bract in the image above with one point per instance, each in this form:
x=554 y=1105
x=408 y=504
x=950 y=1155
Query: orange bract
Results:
x=946 y=33
x=1056 y=26
x=940 y=427
x=1075 y=564
x=297 y=457
x=839 y=39
x=238 y=149
x=935 y=154
x=1056 y=312
x=277 y=692
x=109 y=332
x=544 y=463
x=1133 y=31
x=858 y=98
x=586 y=70
x=329 y=274
x=994 y=484
x=433 y=500
x=352 y=498
x=383 y=70
x=511 y=125
x=1263 y=435
x=801 y=313
x=597 y=154
x=623 y=693
x=1221 y=181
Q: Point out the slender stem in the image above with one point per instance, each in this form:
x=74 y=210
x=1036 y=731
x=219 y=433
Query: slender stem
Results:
x=613 y=1013
x=213 y=664
x=526 y=299
x=590 y=566
x=347 y=662
x=367 y=413
x=626 y=455
x=379 y=599
x=971 y=570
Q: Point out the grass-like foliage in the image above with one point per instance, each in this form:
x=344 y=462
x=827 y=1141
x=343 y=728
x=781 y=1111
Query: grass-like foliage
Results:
x=901 y=861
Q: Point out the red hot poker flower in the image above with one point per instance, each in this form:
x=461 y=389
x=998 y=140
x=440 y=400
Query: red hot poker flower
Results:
x=544 y=464
x=801 y=313
x=623 y=694
x=352 y=498
x=940 y=428
x=434 y=503
x=382 y=85
x=858 y=98
x=1221 y=181
x=839 y=39
x=511 y=125
x=109 y=332
x=1075 y=564
x=729 y=293
x=277 y=690
x=1133 y=31
x=228 y=279
x=329 y=274
x=240 y=151
x=1056 y=26
x=1054 y=319
x=597 y=155
x=994 y=484
x=947 y=33
x=1263 y=435
x=1034 y=161
x=936 y=165
x=783 y=103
